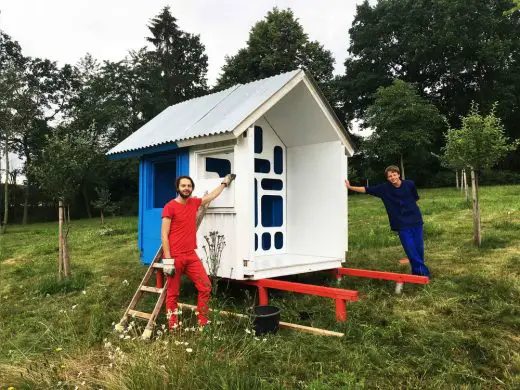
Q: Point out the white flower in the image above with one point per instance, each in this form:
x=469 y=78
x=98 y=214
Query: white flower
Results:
x=189 y=350
x=83 y=383
x=175 y=326
x=125 y=282
x=162 y=366
x=127 y=337
x=186 y=343
x=74 y=307
x=196 y=313
x=168 y=314
x=264 y=340
x=163 y=326
x=257 y=339
x=178 y=342
x=119 y=328
x=121 y=336
x=248 y=331
x=111 y=365
x=83 y=292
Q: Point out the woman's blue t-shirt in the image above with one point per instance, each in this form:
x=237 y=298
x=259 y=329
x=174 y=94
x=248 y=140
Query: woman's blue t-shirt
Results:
x=400 y=204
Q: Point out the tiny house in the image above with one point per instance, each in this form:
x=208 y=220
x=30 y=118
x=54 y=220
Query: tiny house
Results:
x=286 y=211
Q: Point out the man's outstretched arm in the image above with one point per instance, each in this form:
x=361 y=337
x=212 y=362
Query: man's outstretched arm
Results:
x=217 y=191
x=354 y=188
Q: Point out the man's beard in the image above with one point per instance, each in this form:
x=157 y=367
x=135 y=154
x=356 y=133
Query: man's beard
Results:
x=185 y=196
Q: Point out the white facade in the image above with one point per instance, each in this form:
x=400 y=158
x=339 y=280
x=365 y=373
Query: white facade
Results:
x=286 y=212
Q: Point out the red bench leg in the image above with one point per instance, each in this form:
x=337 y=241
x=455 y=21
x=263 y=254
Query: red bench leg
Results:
x=263 y=299
x=341 y=310
x=159 y=279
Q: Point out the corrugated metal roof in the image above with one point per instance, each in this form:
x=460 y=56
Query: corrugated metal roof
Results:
x=212 y=114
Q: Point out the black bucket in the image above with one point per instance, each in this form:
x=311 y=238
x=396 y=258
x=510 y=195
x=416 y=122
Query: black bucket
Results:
x=266 y=319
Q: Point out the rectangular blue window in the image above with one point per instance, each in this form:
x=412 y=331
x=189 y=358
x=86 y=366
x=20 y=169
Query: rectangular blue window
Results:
x=272 y=211
x=164 y=174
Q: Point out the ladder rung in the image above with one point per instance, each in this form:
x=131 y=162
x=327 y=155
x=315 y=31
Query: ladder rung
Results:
x=158 y=265
x=140 y=314
x=152 y=289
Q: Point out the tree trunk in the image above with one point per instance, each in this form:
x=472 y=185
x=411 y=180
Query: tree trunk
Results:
x=60 y=239
x=6 y=186
x=26 y=203
x=87 y=202
x=466 y=186
x=477 y=233
x=456 y=179
x=65 y=243
x=402 y=168
x=102 y=218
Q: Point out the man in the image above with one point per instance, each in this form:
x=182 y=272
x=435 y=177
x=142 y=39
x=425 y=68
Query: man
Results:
x=179 y=241
x=400 y=199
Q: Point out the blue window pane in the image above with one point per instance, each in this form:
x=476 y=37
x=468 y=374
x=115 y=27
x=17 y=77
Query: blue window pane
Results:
x=272 y=184
x=278 y=159
x=278 y=240
x=259 y=144
x=256 y=203
x=164 y=175
x=218 y=165
x=262 y=165
x=266 y=241
x=272 y=211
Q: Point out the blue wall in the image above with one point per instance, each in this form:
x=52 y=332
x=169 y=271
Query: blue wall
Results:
x=156 y=188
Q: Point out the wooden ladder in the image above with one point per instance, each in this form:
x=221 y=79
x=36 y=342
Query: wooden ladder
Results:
x=155 y=266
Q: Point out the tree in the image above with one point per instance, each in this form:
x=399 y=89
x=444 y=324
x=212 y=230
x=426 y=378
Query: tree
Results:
x=453 y=52
x=103 y=203
x=59 y=172
x=11 y=65
x=277 y=44
x=176 y=69
x=403 y=122
x=480 y=143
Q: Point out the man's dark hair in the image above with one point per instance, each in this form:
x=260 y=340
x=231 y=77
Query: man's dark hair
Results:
x=178 y=181
x=392 y=168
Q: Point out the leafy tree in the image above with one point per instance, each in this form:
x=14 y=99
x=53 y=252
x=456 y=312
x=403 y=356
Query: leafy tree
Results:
x=453 y=52
x=177 y=66
x=480 y=143
x=515 y=8
x=404 y=124
x=277 y=44
x=59 y=172
x=103 y=203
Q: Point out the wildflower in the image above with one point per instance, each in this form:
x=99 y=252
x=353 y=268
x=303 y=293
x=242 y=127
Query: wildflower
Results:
x=121 y=336
x=178 y=342
x=257 y=339
x=126 y=337
x=163 y=326
x=84 y=292
x=46 y=296
x=119 y=328
x=169 y=313
x=186 y=343
x=10 y=388
x=74 y=307
x=62 y=366
x=189 y=350
x=175 y=326
x=58 y=349
x=248 y=331
x=108 y=344
x=219 y=322
x=264 y=340
x=125 y=282
x=80 y=373
x=111 y=365
x=83 y=383
x=196 y=313
x=62 y=311
x=162 y=366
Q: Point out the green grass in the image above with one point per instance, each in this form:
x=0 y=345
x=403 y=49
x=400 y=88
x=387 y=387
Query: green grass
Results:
x=460 y=331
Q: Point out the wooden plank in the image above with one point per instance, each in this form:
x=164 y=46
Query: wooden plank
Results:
x=284 y=325
x=402 y=278
x=323 y=291
x=152 y=289
x=140 y=314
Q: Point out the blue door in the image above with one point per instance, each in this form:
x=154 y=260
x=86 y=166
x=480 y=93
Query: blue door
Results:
x=157 y=175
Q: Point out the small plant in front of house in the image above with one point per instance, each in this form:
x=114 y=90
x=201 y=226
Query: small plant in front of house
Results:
x=213 y=248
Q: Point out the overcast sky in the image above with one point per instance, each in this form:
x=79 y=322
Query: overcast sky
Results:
x=64 y=30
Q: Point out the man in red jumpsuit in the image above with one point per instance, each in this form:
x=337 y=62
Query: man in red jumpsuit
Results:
x=179 y=241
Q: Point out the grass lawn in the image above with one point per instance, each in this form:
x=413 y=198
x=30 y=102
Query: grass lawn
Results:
x=460 y=331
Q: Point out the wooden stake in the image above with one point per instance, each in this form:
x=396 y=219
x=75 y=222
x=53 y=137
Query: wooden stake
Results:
x=477 y=233
x=285 y=325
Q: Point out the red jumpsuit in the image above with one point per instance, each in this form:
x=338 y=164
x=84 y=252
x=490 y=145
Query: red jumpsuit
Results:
x=183 y=242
